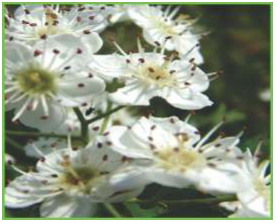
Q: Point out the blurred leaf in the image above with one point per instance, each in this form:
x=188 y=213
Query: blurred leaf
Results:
x=218 y=114
x=137 y=211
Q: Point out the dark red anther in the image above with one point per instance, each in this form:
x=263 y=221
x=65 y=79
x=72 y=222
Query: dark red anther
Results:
x=37 y=53
x=86 y=32
x=55 y=51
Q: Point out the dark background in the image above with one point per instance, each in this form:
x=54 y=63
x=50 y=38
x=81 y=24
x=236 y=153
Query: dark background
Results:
x=239 y=45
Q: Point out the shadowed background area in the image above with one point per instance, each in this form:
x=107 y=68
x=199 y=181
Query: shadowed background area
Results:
x=238 y=44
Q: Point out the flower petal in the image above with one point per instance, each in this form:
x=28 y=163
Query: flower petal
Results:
x=18 y=194
x=76 y=91
x=37 y=119
x=134 y=93
x=65 y=206
x=178 y=98
x=18 y=54
x=93 y=42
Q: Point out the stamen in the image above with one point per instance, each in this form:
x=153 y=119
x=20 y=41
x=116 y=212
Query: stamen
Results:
x=188 y=118
x=208 y=135
x=139 y=45
x=174 y=12
x=119 y=48
x=21 y=111
x=69 y=141
x=39 y=152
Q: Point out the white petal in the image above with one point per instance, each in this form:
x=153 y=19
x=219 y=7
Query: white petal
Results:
x=133 y=94
x=51 y=162
x=65 y=206
x=18 y=194
x=93 y=42
x=131 y=143
x=37 y=119
x=74 y=92
x=168 y=178
x=129 y=178
x=67 y=45
x=108 y=66
x=174 y=125
x=178 y=99
x=199 y=81
x=101 y=155
x=45 y=146
x=18 y=54
x=225 y=178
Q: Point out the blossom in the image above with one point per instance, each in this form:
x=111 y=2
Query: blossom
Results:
x=151 y=74
x=70 y=182
x=176 y=157
x=42 y=79
x=254 y=200
x=162 y=28
x=31 y=22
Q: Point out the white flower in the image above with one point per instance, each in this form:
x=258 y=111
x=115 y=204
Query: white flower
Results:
x=176 y=157
x=254 y=200
x=31 y=22
x=160 y=27
x=69 y=183
x=41 y=79
x=148 y=75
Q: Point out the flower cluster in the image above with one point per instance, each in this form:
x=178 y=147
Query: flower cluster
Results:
x=91 y=147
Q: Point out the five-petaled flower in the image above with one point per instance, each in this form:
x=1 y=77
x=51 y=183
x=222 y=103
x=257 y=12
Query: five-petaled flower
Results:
x=150 y=74
x=69 y=183
x=43 y=79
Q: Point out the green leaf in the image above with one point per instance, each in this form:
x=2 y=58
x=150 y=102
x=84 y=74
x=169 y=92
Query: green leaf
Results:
x=137 y=211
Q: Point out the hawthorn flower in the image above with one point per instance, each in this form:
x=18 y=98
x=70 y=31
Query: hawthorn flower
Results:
x=177 y=157
x=150 y=74
x=42 y=79
x=30 y=23
x=163 y=28
x=69 y=183
x=254 y=200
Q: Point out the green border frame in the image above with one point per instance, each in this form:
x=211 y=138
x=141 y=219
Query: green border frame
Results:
x=270 y=4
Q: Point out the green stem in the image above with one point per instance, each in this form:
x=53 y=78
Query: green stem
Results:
x=112 y=210
x=106 y=119
x=14 y=144
x=214 y=200
x=104 y=114
x=38 y=134
x=84 y=125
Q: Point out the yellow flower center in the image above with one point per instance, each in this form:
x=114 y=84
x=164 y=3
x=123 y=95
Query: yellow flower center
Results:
x=180 y=159
x=79 y=179
x=157 y=75
x=36 y=81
